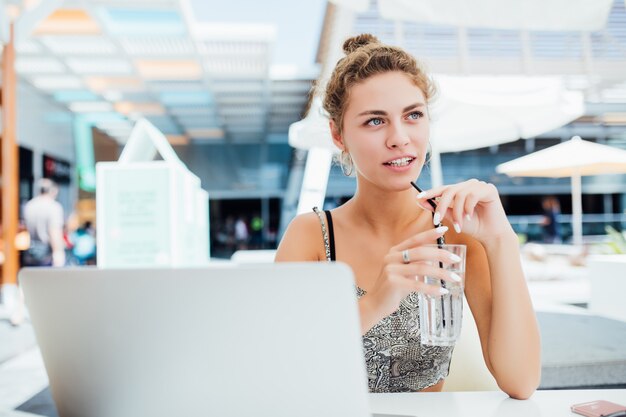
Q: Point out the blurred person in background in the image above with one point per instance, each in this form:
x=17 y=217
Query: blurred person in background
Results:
x=550 y=223
x=83 y=242
x=43 y=216
x=241 y=234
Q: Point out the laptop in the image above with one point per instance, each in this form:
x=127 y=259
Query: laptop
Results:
x=225 y=340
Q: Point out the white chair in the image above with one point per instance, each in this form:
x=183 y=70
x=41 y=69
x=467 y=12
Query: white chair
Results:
x=468 y=371
x=607 y=275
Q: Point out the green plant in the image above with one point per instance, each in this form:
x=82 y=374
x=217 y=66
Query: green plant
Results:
x=616 y=241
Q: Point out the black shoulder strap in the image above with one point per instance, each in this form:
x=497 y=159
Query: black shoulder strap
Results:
x=331 y=235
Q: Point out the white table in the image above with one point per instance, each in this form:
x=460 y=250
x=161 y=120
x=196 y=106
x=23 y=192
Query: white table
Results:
x=490 y=404
x=484 y=404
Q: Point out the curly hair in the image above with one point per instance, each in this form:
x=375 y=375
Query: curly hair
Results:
x=367 y=56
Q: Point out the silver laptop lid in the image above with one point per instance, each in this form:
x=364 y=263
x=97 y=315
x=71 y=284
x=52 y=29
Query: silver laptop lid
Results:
x=247 y=340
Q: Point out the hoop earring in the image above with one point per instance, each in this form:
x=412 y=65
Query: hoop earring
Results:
x=347 y=166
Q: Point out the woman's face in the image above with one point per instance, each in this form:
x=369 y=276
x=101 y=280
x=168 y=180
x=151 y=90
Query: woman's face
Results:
x=386 y=130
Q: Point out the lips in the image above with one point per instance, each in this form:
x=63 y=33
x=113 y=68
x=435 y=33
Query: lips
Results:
x=400 y=162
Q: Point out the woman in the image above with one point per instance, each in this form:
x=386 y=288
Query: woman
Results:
x=377 y=101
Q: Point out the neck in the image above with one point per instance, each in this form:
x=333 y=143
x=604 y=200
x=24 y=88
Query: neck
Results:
x=384 y=210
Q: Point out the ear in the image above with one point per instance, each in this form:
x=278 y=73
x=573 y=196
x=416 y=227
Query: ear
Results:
x=336 y=136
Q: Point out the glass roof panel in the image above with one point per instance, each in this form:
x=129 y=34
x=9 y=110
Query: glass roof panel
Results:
x=191 y=98
x=66 y=96
x=119 y=21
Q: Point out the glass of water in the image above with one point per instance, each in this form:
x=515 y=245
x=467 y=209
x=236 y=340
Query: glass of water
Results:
x=440 y=316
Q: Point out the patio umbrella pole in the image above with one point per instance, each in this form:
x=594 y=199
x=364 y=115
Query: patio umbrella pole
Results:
x=436 y=175
x=577 y=210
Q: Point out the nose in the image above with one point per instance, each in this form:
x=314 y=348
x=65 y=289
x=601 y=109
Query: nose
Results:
x=397 y=135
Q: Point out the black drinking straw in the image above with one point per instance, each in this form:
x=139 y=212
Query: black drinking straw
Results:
x=440 y=242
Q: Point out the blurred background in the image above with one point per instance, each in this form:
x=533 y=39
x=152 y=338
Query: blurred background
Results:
x=224 y=81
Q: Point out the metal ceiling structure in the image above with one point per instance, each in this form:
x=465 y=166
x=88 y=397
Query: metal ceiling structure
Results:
x=202 y=83
x=591 y=61
x=117 y=61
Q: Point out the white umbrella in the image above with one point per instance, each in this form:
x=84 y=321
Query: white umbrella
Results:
x=312 y=131
x=573 y=158
x=476 y=112
x=479 y=111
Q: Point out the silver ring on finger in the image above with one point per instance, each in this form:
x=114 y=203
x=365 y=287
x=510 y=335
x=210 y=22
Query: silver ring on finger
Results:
x=405 y=256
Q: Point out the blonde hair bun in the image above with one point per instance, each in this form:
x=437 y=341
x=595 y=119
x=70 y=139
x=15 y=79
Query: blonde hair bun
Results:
x=356 y=42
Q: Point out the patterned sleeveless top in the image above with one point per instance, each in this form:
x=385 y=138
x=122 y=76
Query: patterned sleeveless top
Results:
x=395 y=359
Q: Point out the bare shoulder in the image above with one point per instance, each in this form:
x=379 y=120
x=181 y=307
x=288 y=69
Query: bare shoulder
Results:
x=302 y=241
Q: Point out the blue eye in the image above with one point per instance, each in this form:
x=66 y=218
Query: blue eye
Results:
x=376 y=121
x=416 y=115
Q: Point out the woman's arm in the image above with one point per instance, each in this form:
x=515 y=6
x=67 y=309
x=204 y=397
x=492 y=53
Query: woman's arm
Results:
x=514 y=343
x=497 y=294
x=495 y=286
x=302 y=241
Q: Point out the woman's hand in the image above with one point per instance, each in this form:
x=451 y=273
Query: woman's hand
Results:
x=473 y=207
x=403 y=264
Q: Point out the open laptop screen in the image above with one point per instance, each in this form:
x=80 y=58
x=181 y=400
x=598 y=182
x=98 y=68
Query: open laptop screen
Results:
x=227 y=340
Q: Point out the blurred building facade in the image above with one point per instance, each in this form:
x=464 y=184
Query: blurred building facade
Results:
x=89 y=72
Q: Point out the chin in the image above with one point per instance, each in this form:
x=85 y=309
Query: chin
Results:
x=399 y=184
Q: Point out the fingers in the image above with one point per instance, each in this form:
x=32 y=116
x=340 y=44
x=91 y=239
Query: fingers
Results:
x=445 y=200
x=470 y=204
x=426 y=237
x=425 y=205
x=423 y=254
x=432 y=193
x=410 y=271
x=458 y=210
x=413 y=284
x=425 y=263
x=444 y=196
x=457 y=202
